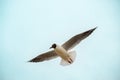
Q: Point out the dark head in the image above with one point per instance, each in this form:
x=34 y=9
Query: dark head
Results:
x=53 y=46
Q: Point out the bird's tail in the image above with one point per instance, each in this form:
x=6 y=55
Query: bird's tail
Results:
x=72 y=55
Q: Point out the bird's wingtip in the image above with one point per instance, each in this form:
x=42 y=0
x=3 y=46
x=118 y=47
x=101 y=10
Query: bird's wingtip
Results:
x=35 y=60
x=94 y=28
x=30 y=61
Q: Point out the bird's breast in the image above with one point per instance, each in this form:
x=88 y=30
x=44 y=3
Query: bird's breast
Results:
x=61 y=52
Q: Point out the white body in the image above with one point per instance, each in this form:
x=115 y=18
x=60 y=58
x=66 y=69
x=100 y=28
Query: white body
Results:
x=67 y=57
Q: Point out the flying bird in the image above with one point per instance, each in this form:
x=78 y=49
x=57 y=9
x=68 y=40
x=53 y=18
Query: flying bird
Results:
x=63 y=51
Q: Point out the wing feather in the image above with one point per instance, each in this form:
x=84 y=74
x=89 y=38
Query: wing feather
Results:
x=45 y=56
x=77 y=39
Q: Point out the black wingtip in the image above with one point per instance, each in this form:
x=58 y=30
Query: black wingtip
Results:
x=35 y=60
x=32 y=60
x=91 y=30
x=94 y=28
x=87 y=33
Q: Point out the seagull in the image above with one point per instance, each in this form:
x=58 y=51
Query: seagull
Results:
x=63 y=51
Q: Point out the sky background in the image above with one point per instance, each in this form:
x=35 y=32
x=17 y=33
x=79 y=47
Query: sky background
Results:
x=30 y=27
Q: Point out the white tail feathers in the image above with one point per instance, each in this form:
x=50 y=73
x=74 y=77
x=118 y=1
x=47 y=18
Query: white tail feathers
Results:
x=72 y=55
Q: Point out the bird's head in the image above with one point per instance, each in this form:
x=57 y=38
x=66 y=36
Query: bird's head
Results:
x=53 y=46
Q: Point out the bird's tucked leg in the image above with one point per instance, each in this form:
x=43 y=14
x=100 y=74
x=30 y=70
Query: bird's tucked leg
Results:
x=70 y=60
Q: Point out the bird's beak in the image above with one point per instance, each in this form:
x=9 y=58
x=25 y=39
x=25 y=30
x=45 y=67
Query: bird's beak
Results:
x=50 y=47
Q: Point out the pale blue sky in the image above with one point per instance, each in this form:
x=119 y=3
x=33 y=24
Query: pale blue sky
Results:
x=29 y=27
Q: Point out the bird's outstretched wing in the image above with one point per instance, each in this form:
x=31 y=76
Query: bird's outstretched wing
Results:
x=76 y=39
x=45 y=56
